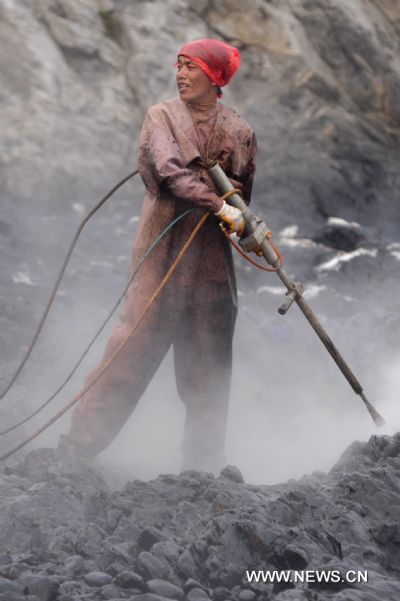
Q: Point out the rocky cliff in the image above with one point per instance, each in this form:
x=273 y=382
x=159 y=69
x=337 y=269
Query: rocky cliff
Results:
x=320 y=83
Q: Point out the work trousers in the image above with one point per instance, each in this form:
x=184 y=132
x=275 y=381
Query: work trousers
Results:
x=195 y=313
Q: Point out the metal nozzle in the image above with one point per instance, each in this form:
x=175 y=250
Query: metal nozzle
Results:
x=377 y=418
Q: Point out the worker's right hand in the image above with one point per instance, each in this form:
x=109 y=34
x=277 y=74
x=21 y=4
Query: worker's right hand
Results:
x=233 y=217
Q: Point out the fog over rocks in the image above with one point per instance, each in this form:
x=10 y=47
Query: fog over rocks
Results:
x=320 y=84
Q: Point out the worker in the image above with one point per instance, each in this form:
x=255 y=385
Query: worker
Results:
x=196 y=311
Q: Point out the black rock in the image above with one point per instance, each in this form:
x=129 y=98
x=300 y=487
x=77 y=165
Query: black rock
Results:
x=152 y=567
x=129 y=579
x=191 y=583
x=342 y=234
x=197 y=594
x=167 y=550
x=148 y=537
x=165 y=589
x=75 y=564
x=247 y=595
x=231 y=472
x=46 y=589
x=97 y=578
x=187 y=565
x=220 y=593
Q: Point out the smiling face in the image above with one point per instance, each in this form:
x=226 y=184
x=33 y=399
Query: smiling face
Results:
x=194 y=85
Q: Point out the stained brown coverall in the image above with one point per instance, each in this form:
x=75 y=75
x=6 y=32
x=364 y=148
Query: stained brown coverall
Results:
x=197 y=309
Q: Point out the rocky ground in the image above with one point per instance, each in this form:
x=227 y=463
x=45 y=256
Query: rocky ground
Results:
x=65 y=536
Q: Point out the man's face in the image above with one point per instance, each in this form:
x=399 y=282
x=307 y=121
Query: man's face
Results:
x=193 y=84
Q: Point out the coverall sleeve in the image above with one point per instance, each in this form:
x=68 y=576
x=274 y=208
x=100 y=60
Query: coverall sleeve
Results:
x=248 y=175
x=162 y=163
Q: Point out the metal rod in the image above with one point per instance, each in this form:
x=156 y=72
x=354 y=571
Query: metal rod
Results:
x=295 y=290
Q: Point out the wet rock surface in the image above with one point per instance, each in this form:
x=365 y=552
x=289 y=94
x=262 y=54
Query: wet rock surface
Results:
x=57 y=544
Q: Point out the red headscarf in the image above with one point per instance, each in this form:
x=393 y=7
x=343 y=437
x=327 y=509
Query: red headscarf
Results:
x=219 y=61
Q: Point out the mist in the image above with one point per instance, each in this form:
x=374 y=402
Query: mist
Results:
x=291 y=411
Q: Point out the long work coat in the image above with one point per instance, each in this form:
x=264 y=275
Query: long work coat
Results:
x=196 y=311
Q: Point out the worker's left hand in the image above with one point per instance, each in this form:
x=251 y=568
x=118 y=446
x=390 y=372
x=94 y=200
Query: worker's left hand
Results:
x=233 y=217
